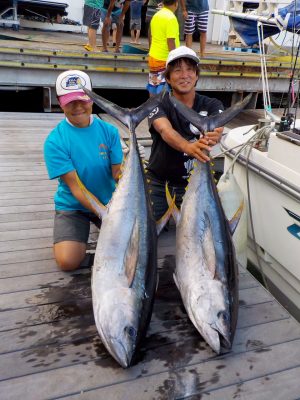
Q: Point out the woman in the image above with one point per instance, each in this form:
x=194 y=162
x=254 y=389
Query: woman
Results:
x=85 y=147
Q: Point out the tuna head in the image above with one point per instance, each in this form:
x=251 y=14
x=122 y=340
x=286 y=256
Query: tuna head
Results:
x=210 y=313
x=117 y=320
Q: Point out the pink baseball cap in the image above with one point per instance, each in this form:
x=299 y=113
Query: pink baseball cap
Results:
x=68 y=86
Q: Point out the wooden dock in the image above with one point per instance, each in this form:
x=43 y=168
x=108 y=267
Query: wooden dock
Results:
x=49 y=346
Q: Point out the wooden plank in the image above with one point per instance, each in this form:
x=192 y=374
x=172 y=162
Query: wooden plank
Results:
x=213 y=373
x=27 y=208
x=88 y=347
x=28 y=216
x=72 y=328
x=283 y=384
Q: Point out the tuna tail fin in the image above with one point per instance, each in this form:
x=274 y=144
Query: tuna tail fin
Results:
x=208 y=124
x=161 y=223
x=175 y=210
x=100 y=209
x=141 y=112
x=121 y=114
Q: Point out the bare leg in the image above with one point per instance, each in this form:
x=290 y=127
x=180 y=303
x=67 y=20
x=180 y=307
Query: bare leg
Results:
x=132 y=36
x=137 y=36
x=105 y=38
x=202 y=43
x=69 y=254
x=114 y=36
x=189 y=40
x=119 y=37
x=92 y=38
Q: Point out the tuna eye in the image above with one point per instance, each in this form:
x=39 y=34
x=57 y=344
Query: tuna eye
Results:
x=131 y=331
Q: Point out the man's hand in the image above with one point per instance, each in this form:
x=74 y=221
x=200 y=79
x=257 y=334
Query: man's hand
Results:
x=215 y=136
x=107 y=22
x=199 y=149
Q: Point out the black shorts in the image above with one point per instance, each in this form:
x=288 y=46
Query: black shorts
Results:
x=73 y=226
x=91 y=17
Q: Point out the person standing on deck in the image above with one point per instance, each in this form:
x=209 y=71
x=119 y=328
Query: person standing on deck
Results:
x=113 y=12
x=91 y=19
x=88 y=147
x=196 y=16
x=136 y=20
x=175 y=141
x=163 y=37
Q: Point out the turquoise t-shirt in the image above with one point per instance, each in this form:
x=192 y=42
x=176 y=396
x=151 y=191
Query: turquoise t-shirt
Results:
x=90 y=151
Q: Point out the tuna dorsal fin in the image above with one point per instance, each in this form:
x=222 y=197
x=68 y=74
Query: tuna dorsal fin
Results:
x=121 y=114
x=208 y=124
x=209 y=253
x=131 y=255
x=233 y=223
x=100 y=208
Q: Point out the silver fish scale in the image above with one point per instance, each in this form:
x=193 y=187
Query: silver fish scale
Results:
x=197 y=246
x=128 y=206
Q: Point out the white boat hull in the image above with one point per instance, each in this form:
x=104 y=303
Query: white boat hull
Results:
x=274 y=189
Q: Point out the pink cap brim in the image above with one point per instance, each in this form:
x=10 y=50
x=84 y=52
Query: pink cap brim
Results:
x=67 y=98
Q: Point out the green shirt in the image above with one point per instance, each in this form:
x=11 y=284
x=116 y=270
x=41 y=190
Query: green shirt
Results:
x=94 y=3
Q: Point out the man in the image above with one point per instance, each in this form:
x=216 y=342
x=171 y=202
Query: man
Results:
x=175 y=141
x=91 y=19
x=113 y=12
x=196 y=16
x=82 y=146
x=163 y=37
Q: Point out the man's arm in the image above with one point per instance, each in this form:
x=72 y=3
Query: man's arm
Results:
x=171 y=44
x=183 y=8
x=176 y=141
x=124 y=9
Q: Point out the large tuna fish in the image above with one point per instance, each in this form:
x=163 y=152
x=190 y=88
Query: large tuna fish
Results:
x=206 y=270
x=125 y=266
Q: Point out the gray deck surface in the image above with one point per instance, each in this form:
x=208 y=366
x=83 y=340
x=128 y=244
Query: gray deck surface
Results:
x=49 y=346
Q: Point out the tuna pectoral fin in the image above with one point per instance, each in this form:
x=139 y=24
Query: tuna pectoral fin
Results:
x=99 y=208
x=132 y=254
x=233 y=222
x=209 y=253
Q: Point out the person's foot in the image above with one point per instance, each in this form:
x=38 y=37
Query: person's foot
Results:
x=132 y=42
x=138 y=43
x=88 y=47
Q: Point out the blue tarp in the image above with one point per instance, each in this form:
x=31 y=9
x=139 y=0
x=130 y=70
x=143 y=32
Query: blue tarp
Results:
x=287 y=18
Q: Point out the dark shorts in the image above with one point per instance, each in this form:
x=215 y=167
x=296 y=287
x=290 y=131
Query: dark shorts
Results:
x=135 y=24
x=73 y=226
x=158 y=198
x=114 y=18
x=91 y=17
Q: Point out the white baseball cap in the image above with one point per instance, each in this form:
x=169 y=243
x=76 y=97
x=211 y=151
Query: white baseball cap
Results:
x=182 y=52
x=68 y=86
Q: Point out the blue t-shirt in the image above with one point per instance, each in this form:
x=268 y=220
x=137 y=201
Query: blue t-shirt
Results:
x=90 y=151
x=197 y=6
x=136 y=9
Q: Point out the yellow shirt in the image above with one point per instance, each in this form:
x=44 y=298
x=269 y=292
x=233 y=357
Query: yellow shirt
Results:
x=164 y=25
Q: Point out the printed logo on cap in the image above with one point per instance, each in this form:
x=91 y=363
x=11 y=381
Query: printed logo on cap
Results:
x=71 y=82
